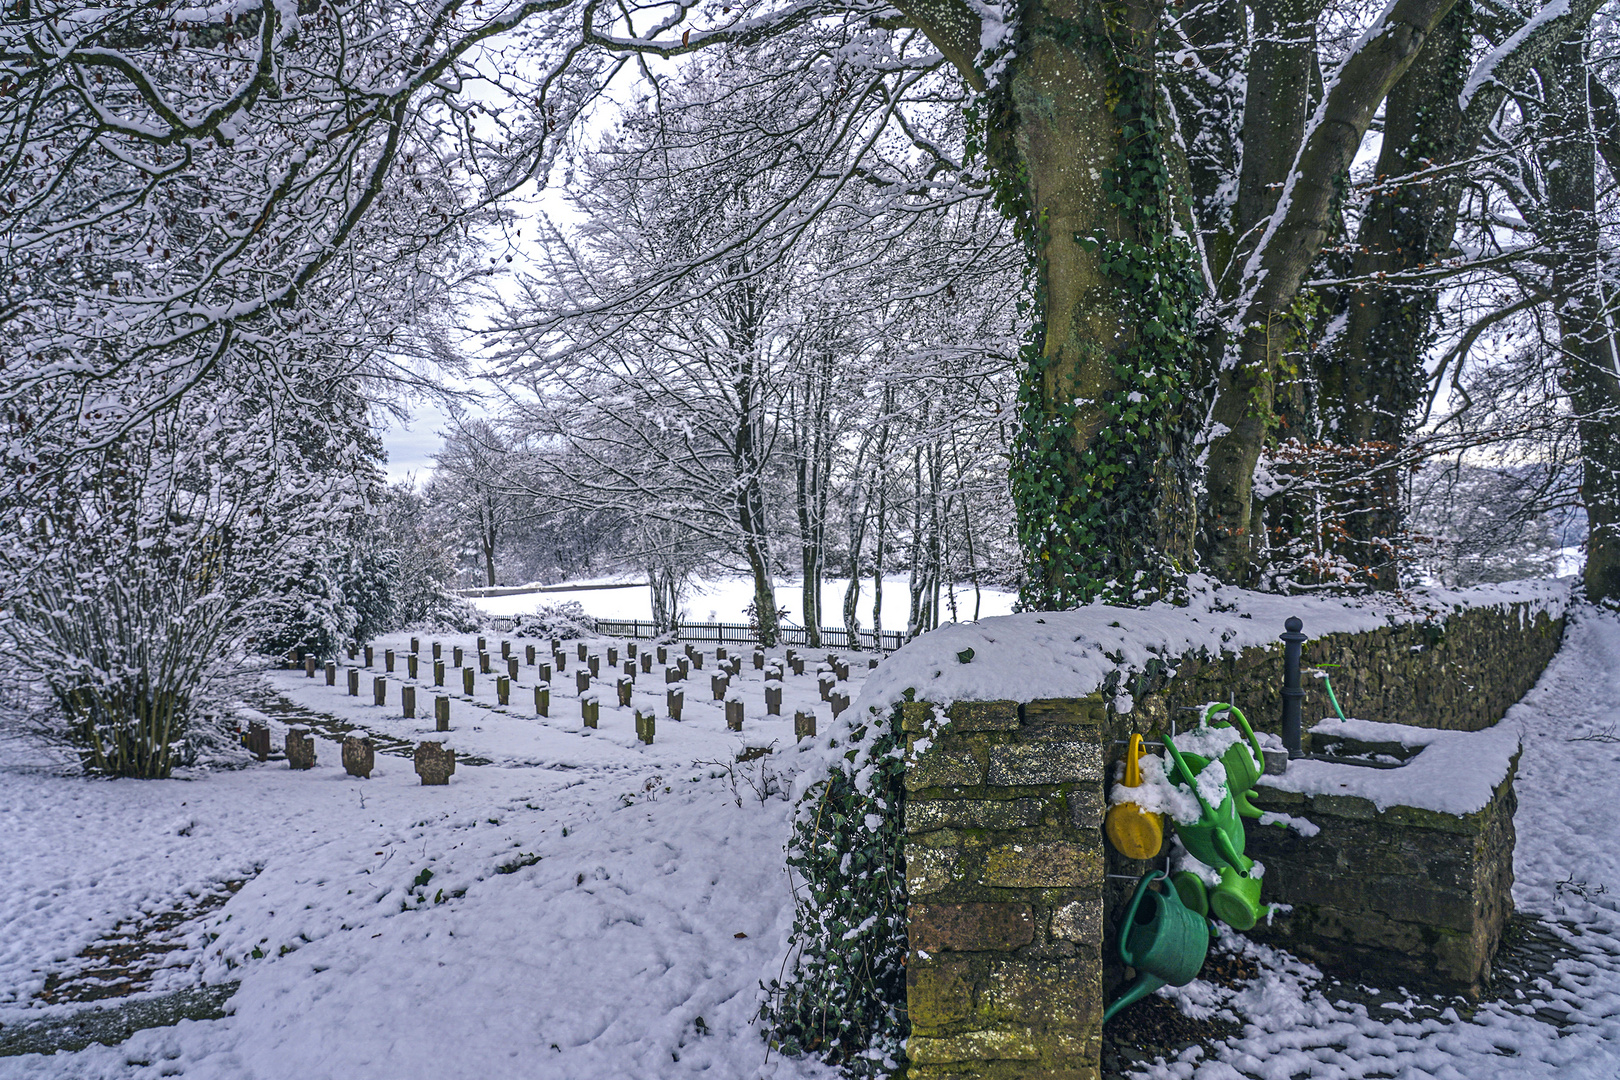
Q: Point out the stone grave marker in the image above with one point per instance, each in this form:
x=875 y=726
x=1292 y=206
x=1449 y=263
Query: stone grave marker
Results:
x=720 y=652
x=630 y=650
x=434 y=762
x=595 y=664
x=411 y=666
x=438 y=651
x=584 y=651
x=483 y=662
x=624 y=686
x=506 y=650
x=663 y=654
x=674 y=700
x=773 y=697
x=528 y=655
x=542 y=701
x=379 y=690
x=456 y=656
x=718 y=685
x=613 y=656
x=503 y=689
x=759 y=659
x=441 y=712
x=331 y=673
x=467 y=677
x=590 y=710
x=359 y=756
x=840 y=702
x=438 y=673
x=582 y=680
x=388 y=661
x=371 y=655
x=258 y=740
x=646 y=663
x=416 y=645
x=545 y=672
x=734 y=714
x=300 y=747
x=483 y=646
x=646 y=725
x=804 y=726
x=309 y=667
x=511 y=667
x=407 y=702
x=354 y=682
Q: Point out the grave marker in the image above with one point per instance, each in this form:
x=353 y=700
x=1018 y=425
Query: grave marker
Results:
x=331 y=673
x=542 y=701
x=309 y=667
x=582 y=680
x=734 y=714
x=467 y=681
x=674 y=700
x=407 y=702
x=258 y=740
x=354 y=682
x=300 y=747
x=646 y=725
x=719 y=684
x=438 y=673
x=388 y=661
x=411 y=666
x=359 y=756
x=503 y=689
x=441 y=712
x=623 y=686
x=434 y=763
x=590 y=710
x=379 y=689
x=773 y=698
x=804 y=726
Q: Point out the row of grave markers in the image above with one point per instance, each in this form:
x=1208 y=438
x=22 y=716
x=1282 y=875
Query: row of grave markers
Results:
x=830 y=676
x=435 y=764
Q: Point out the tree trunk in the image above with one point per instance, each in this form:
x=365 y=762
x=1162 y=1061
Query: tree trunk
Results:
x=1591 y=373
x=1371 y=379
x=1100 y=478
x=1270 y=323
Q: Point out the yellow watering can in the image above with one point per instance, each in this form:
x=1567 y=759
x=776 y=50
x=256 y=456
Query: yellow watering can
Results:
x=1135 y=833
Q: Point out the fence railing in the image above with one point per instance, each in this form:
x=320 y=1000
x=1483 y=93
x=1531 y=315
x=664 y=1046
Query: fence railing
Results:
x=832 y=637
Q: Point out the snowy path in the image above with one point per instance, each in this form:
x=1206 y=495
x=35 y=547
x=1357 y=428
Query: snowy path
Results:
x=633 y=946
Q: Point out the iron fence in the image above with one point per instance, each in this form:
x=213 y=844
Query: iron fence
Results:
x=832 y=637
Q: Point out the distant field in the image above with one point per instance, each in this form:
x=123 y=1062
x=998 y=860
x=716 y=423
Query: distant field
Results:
x=726 y=600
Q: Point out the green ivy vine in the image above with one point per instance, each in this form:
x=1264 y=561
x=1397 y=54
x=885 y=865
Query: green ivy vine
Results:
x=845 y=998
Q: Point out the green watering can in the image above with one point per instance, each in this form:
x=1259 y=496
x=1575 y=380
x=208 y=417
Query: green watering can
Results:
x=1164 y=941
x=1216 y=839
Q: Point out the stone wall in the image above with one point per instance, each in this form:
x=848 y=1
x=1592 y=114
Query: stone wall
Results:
x=1460 y=674
x=1011 y=884
x=1004 y=867
x=1407 y=895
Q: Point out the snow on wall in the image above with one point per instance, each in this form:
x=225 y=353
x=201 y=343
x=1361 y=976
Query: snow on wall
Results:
x=1071 y=654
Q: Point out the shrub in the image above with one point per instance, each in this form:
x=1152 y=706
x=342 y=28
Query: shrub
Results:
x=562 y=620
x=845 y=998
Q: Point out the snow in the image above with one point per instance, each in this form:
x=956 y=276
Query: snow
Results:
x=1036 y=655
x=660 y=893
x=727 y=600
x=1456 y=772
x=597 y=959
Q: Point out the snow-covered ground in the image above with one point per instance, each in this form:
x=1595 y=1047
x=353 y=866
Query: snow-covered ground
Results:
x=727 y=600
x=600 y=908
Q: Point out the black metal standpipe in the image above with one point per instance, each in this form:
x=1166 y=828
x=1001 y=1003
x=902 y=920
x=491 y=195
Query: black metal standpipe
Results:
x=1293 y=694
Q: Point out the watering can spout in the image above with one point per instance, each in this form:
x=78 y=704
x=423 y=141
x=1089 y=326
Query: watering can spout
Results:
x=1144 y=985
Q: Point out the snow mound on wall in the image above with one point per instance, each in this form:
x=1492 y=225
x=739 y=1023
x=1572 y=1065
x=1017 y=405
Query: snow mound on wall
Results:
x=1069 y=654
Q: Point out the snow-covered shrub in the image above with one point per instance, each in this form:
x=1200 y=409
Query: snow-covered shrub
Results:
x=129 y=658
x=561 y=620
x=845 y=996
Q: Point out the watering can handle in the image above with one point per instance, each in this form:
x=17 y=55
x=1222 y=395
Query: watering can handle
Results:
x=1133 y=762
x=1192 y=781
x=1243 y=725
x=1130 y=913
x=1223 y=847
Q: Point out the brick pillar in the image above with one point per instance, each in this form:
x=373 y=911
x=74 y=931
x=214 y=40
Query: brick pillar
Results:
x=1004 y=871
